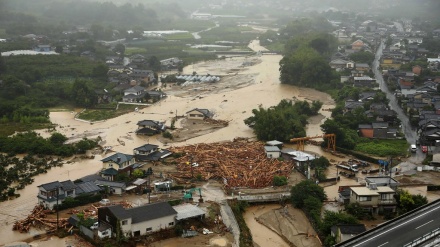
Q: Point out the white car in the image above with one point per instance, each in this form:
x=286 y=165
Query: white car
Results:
x=94 y=226
x=104 y=201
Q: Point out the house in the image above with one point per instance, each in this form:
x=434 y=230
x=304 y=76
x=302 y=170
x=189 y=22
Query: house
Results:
x=53 y=193
x=103 y=95
x=150 y=152
x=377 y=130
x=137 y=221
x=150 y=127
x=199 y=114
x=43 y=48
x=134 y=94
x=362 y=67
x=374 y=198
x=382 y=181
x=357 y=45
x=350 y=105
x=406 y=87
x=154 y=96
x=341 y=64
x=364 y=81
x=116 y=188
x=170 y=63
x=300 y=158
x=275 y=143
x=272 y=152
x=417 y=69
x=343 y=232
x=389 y=62
x=117 y=163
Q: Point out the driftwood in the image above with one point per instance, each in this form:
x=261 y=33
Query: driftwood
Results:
x=240 y=163
x=38 y=217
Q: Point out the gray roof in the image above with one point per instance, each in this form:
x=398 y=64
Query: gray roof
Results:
x=350 y=228
x=68 y=185
x=381 y=180
x=87 y=187
x=147 y=147
x=205 y=112
x=151 y=123
x=91 y=178
x=122 y=158
x=51 y=186
x=365 y=126
x=380 y=125
x=274 y=143
x=143 y=213
x=271 y=149
x=110 y=183
x=135 y=89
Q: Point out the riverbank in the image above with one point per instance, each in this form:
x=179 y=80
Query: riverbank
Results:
x=233 y=104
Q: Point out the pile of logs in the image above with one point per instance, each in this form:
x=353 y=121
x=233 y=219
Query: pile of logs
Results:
x=38 y=219
x=216 y=121
x=240 y=163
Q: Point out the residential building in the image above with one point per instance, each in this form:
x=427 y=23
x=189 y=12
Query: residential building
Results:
x=374 y=198
x=134 y=94
x=53 y=193
x=199 y=114
x=272 y=152
x=343 y=232
x=357 y=45
x=150 y=127
x=138 y=220
x=150 y=152
x=119 y=162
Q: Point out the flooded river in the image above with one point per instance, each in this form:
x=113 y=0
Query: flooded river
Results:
x=261 y=234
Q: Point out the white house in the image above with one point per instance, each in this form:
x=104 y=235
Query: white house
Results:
x=139 y=220
x=272 y=152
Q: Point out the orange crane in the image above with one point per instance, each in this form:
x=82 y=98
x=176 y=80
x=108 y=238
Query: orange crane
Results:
x=331 y=143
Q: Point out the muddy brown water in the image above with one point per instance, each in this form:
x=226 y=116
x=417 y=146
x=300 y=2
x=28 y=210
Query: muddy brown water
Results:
x=260 y=233
x=233 y=105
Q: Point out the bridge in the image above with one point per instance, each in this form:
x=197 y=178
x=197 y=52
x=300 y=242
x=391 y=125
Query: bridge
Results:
x=273 y=197
x=416 y=228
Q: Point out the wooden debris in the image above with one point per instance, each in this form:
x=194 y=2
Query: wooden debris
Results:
x=241 y=163
x=38 y=217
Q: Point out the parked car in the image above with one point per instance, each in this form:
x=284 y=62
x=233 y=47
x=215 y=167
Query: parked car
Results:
x=94 y=226
x=425 y=149
x=104 y=201
x=413 y=148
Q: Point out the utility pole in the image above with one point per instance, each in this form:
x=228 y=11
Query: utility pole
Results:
x=58 y=211
x=149 y=173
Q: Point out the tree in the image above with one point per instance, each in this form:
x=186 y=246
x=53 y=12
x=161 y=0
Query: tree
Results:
x=279 y=180
x=333 y=218
x=57 y=139
x=282 y=122
x=82 y=95
x=407 y=202
x=120 y=49
x=138 y=173
x=154 y=63
x=305 y=189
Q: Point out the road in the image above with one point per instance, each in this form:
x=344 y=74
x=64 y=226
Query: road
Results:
x=403 y=231
x=410 y=134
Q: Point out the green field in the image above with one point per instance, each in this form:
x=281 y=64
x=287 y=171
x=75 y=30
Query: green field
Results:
x=383 y=148
x=104 y=114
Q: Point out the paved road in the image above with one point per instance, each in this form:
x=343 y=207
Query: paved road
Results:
x=402 y=231
x=410 y=134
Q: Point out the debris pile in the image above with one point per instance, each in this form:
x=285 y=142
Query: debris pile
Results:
x=216 y=121
x=38 y=218
x=241 y=163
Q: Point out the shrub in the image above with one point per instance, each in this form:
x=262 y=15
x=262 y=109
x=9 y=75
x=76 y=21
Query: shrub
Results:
x=167 y=134
x=279 y=180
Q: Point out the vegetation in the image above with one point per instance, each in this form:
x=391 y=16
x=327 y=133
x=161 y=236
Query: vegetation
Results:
x=279 y=180
x=32 y=143
x=238 y=208
x=382 y=148
x=362 y=57
x=16 y=173
x=284 y=121
x=304 y=189
x=80 y=200
x=407 y=202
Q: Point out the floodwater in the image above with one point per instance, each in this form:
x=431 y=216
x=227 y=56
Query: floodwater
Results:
x=260 y=234
x=234 y=105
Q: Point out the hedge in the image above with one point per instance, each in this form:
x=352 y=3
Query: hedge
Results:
x=80 y=200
